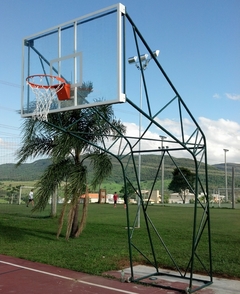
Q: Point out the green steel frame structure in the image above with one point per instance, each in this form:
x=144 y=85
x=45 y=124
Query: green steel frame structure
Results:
x=198 y=249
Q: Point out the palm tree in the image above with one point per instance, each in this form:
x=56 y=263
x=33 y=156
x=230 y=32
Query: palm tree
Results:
x=70 y=138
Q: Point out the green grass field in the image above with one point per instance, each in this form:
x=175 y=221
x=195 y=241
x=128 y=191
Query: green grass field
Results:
x=103 y=244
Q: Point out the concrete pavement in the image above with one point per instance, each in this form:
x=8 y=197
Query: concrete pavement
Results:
x=219 y=286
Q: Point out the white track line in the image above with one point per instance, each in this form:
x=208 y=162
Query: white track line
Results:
x=67 y=278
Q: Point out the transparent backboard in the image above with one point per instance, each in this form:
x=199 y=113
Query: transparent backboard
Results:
x=85 y=52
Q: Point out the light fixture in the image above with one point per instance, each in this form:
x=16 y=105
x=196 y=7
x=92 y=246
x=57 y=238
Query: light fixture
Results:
x=156 y=53
x=132 y=59
x=143 y=57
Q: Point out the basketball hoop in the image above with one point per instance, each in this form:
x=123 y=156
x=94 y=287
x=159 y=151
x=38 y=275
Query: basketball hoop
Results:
x=46 y=88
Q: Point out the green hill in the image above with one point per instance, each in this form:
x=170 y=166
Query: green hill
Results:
x=25 y=172
x=149 y=164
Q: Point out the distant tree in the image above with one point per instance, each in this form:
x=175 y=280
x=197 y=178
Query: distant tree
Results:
x=130 y=190
x=12 y=192
x=182 y=181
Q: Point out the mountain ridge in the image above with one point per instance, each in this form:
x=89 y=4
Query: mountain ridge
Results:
x=149 y=164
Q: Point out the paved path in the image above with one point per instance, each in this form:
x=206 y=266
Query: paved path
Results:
x=18 y=276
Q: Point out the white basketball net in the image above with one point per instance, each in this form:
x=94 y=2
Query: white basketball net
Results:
x=44 y=95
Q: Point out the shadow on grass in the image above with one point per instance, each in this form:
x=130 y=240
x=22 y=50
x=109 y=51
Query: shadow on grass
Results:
x=11 y=233
x=31 y=216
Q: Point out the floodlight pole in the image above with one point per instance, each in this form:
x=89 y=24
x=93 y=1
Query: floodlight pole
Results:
x=144 y=59
x=162 y=178
x=225 y=161
x=233 y=187
x=139 y=153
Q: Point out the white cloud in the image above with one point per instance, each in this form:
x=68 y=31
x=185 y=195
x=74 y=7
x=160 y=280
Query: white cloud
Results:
x=233 y=96
x=219 y=134
x=216 y=96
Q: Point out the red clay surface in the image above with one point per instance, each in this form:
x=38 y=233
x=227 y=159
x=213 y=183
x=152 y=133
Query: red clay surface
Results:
x=21 y=277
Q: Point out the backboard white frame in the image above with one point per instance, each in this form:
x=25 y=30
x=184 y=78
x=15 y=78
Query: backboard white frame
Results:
x=119 y=9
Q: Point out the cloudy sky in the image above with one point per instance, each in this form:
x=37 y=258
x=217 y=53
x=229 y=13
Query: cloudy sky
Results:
x=199 y=43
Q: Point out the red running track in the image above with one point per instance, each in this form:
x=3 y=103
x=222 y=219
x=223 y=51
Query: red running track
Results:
x=18 y=276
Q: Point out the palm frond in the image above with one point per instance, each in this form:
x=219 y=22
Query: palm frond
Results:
x=34 y=147
x=102 y=167
x=49 y=181
x=77 y=180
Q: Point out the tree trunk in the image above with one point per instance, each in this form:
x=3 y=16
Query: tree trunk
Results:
x=184 y=197
x=75 y=220
x=99 y=194
x=61 y=218
x=84 y=215
x=76 y=227
x=54 y=204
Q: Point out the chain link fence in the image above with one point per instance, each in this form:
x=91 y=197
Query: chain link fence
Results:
x=9 y=186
